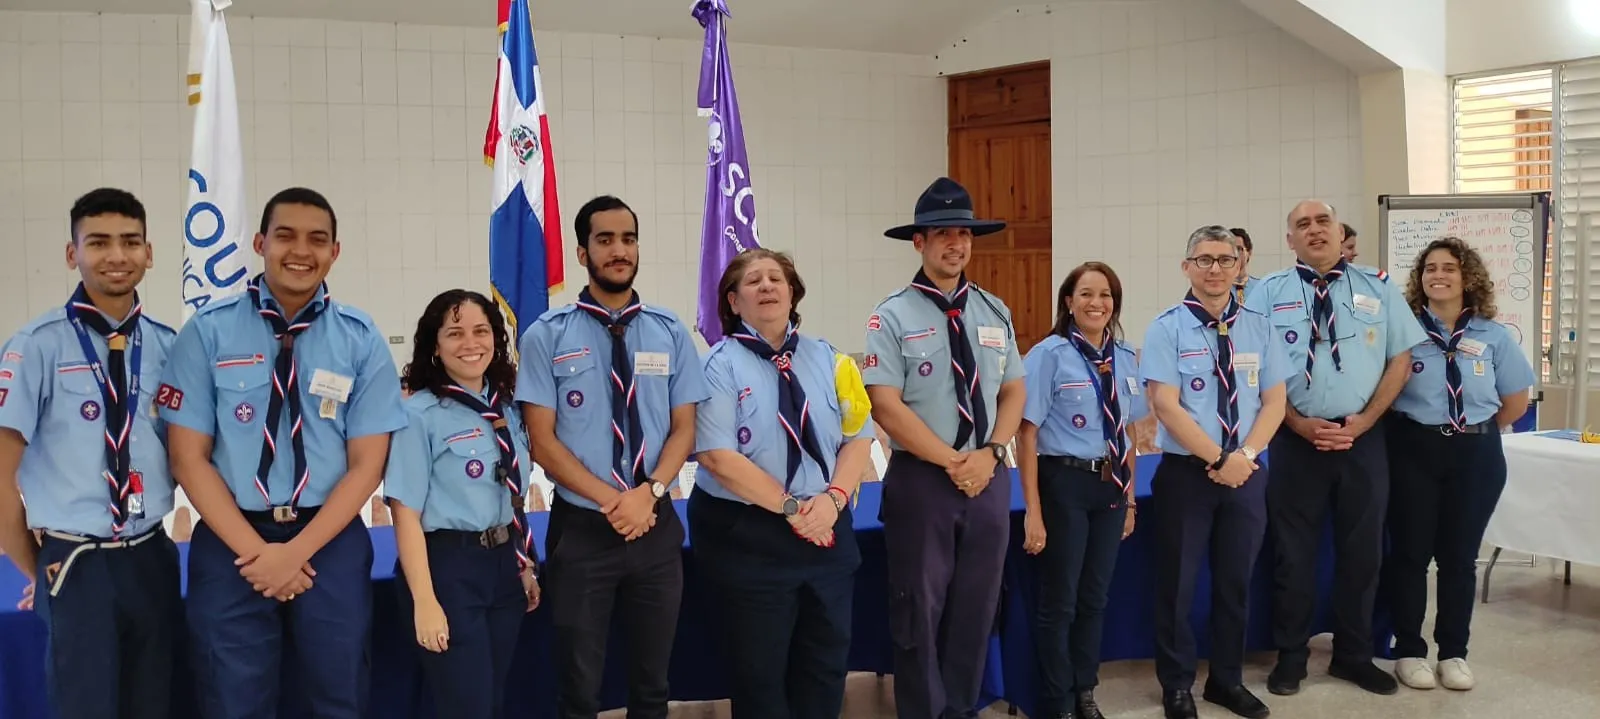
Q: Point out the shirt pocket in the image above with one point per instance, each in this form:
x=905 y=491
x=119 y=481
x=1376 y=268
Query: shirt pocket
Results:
x=243 y=394
x=468 y=456
x=748 y=414
x=579 y=382
x=1365 y=327
x=1076 y=405
x=927 y=362
x=1197 y=372
x=1293 y=326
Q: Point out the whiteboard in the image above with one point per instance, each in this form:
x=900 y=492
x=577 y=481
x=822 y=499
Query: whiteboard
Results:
x=1508 y=231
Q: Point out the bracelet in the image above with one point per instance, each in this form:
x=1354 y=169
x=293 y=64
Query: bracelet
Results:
x=842 y=501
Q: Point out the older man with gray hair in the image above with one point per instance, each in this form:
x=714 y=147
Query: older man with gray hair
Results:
x=1216 y=377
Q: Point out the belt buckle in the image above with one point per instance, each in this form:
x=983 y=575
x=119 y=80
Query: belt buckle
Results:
x=1447 y=431
x=284 y=514
x=493 y=537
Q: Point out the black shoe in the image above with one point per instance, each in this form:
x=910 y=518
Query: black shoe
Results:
x=1179 y=704
x=1285 y=679
x=1236 y=699
x=1087 y=708
x=1063 y=715
x=1365 y=675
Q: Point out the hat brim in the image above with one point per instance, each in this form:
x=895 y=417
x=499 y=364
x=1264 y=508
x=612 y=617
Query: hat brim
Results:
x=979 y=228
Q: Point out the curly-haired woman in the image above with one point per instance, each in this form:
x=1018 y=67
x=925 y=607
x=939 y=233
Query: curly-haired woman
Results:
x=1446 y=464
x=456 y=478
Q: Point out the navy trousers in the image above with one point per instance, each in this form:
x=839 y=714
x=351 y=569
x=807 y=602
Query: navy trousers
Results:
x=1083 y=516
x=481 y=592
x=1442 y=492
x=591 y=572
x=785 y=607
x=240 y=639
x=1306 y=485
x=113 y=616
x=1195 y=516
x=946 y=554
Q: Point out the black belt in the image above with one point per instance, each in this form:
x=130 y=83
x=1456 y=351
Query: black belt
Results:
x=488 y=539
x=1186 y=458
x=1087 y=465
x=280 y=515
x=1486 y=427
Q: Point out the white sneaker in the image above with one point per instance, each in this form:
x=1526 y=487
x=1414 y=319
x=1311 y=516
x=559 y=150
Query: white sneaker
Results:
x=1455 y=674
x=1414 y=673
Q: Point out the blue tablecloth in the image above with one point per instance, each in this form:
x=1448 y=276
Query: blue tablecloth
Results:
x=698 y=671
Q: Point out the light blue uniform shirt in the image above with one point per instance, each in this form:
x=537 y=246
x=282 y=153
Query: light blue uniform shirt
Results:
x=1064 y=402
x=908 y=348
x=220 y=380
x=1372 y=324
x=742 y=415
x=1497 y=368
x=48 y=394
x=443 y=465
x=566 y=366
x=1180 y=352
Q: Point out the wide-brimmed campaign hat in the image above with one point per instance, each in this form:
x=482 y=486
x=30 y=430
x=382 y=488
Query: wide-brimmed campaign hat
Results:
x=945 y=204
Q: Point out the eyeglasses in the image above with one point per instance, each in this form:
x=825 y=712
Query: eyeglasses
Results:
x=1204 y=262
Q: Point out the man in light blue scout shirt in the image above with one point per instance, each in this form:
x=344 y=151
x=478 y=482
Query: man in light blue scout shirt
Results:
x=1349 y=334
x=281 y=402
x=608 y=387
x=1215 y=375
x=76 y=379
x=945 y=378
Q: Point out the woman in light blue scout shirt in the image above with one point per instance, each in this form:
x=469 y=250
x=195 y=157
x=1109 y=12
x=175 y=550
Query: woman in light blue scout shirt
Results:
x=1446 y=466
x=770 y=513
x=455 y=482
x=1076 y=461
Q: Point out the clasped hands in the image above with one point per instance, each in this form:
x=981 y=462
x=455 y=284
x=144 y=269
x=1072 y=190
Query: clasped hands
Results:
x=278 y=570
x=814 y=522
x=972 y=471
x=1329 y=436
x=632 y=512
x=1236 y=470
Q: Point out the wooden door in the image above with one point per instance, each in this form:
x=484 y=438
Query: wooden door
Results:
x=1000 y=151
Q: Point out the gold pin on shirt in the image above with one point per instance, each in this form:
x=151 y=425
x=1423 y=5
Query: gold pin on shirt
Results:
x=117 y=343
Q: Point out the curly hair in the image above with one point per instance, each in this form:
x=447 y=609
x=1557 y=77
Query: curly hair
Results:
x=1477 y=288
x=424 y=371
x=735 y=272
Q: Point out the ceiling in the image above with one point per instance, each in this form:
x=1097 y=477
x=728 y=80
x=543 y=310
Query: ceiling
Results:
x=905 y=26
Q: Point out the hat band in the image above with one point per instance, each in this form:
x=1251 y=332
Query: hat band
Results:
x=937 y=215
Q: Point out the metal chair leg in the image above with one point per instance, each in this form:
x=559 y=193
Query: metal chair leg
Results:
x=1486 y=572
x=1567 y=580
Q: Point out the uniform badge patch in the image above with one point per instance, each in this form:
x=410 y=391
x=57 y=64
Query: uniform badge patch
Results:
x=1079 y=421
x=474 y=468
x=874 y=323
x=1416 y=367
x=169 y=397
x=90 y=410
x=744 y=435
x=925 y=369
x=871 y=361
x=1291 y=336
x=244 y=412
x=574 y=399
x=1197 y=384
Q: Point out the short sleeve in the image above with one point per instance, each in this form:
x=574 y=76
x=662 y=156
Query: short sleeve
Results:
x=1138 y=404
x=375 y=406
x=25 y=379
x=1040 y=384
x=688 y=384
x=187 y=395
x=1275 y=369
x=885 y=365
x=1158 y=362
x=1015 y=367
x=535 y=383
x=405 y=479
x=1404 y=331
x=1512 y=370
x=1258 y=299
x=715 y=419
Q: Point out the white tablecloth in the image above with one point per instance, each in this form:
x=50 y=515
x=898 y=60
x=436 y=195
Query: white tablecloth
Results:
x=1551 y=505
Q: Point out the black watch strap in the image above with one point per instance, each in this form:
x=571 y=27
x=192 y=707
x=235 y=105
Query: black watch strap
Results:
x=1221 y=460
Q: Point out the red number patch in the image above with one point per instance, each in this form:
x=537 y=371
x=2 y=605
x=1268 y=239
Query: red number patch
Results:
x=872 y=360
x=169 y=397
x=3 y=393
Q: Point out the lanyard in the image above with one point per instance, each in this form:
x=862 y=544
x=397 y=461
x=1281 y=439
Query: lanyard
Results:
x=136 y=337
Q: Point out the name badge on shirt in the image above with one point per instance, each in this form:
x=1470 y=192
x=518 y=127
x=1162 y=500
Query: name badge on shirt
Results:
x=331 y=386
x=1248 y=361
x=1471 y=347
x=1369 y=305
x=328 y=409
x=652 y=363
x=1477 y=367
x=1133 y=386
x=994 y=337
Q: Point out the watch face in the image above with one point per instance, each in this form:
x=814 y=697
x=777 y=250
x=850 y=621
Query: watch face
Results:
x=791 y=506
x=658 y=489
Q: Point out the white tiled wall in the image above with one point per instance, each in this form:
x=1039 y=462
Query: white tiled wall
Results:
x=1174 y=114
x=388 y=121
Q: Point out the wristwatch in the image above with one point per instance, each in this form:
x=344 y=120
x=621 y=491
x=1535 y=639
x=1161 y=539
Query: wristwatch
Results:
x=657 y=489
x=1001 y=454
x=1249 y=453
x=791 y=506
x=1221 y=460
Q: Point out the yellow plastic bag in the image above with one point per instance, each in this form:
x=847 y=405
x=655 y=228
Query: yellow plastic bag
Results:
x=854 y=406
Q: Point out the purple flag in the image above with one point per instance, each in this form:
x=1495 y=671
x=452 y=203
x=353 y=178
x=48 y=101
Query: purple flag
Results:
x=729 y=226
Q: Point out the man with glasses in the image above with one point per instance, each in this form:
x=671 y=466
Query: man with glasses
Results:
x=1215 y=379
x=1349 y=333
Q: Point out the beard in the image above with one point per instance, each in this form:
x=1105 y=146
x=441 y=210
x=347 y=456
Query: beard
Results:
x=609 y=285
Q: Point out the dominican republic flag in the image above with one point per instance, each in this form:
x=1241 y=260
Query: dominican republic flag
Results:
x=216 y=256
x=525 y=263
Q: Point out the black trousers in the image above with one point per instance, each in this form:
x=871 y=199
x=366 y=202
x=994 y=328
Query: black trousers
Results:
x=1443 y=490
x=1083 y=516
x=591 y=573
x=785 y=607
x=481 y=592
x=1194 y=516
x=113 y=617
x=1307 y=485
